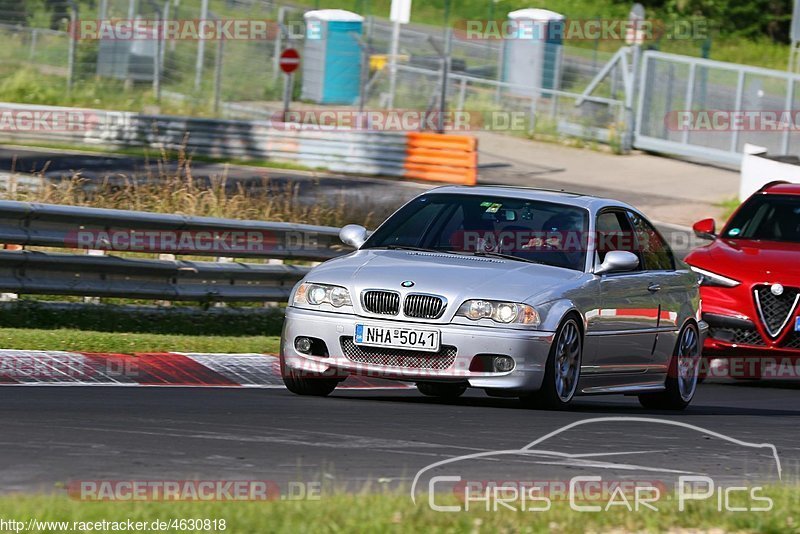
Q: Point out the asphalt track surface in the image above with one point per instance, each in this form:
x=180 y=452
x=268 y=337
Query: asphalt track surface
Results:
x=53 y=435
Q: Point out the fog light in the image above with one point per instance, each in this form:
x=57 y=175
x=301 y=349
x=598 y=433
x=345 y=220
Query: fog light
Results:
x=503 y=364
x=303 y=344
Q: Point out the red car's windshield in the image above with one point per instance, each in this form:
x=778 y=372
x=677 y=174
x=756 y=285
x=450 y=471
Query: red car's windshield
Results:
x=767 y=218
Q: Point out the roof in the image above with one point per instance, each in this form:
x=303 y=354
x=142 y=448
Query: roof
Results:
x=334 y=15
x=782 y=189
x=535 y=14
x=589 y=202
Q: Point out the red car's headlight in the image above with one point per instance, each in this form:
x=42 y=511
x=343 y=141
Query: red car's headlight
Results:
x=707 y=278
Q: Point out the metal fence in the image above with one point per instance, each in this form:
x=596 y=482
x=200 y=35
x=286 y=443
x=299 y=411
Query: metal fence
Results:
x=241 y=79
x=673 y=84
x=138 y=233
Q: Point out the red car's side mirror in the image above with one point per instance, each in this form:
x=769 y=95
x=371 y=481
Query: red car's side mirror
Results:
x=706 y=229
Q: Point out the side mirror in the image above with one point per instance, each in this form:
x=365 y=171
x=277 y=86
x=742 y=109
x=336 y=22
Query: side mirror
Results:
x=353 y=234
x=705 y=229
x=618 y=261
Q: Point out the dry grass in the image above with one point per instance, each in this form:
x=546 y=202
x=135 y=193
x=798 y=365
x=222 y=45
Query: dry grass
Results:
x=172 y=188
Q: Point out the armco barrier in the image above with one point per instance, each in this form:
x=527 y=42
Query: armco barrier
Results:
x=45 y=225
x=421 y=156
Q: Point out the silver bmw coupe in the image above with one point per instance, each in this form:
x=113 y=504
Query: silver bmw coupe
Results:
x=519 y=292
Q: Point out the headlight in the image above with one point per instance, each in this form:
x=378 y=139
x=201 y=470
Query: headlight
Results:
x=707 y=278
x=317 y=294
x=499 y=312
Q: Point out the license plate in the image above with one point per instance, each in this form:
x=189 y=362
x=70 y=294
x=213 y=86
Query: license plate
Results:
x=397 y=338
x=797 y=324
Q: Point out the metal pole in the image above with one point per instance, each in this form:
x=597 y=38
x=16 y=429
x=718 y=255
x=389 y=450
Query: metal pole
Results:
x=448 y=46
x=201 y=49
x=501 y=52
x=103 y=9
x=276 y=56
x=73 y=20
x=218 y=75
x=165 y=17
x=788 y=107
x=393 y=63
x=630 y=100
x=287 y=94
x=157 y=60
x=364 y=78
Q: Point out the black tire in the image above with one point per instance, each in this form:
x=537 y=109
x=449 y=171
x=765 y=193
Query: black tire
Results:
x=307 y=383
x=442 y=390
x=675 y=395
x=551 y=395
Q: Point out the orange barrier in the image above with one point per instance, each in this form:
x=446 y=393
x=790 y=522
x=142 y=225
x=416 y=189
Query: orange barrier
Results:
x=442 y=158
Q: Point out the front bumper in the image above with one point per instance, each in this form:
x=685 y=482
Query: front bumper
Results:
x=530 y=350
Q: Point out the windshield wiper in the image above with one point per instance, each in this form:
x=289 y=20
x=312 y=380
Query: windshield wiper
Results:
x=415 y=249
x=506 y=257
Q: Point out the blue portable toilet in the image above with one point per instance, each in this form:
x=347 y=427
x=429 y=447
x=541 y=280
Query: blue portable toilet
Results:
x=533 y=58
x=332 y=62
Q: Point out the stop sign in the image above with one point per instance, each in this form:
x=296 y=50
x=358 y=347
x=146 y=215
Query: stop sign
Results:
x=290 y=60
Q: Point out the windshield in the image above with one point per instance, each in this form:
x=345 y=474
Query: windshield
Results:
x=522 y=230
x=767 y=218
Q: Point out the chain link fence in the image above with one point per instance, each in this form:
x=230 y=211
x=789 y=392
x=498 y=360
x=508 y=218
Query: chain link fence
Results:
x=42 y=64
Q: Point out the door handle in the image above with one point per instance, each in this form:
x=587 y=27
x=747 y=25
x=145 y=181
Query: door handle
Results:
x=654 y=288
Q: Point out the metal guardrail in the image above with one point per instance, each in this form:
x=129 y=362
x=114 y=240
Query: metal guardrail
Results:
x=53 y=225
x=44 y=272
x=336 y=149
x=331 y=146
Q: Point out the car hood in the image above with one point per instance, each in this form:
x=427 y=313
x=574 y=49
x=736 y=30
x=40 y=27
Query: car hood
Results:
x=750 y=261
x=456 y=277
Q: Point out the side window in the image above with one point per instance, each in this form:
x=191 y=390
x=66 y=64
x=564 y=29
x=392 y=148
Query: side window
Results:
x=654 y=250
x=614 y=232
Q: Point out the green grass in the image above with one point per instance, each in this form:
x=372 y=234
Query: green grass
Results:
x=182 y=318
x=125 y=342
x=396 y=513
x=729 y=206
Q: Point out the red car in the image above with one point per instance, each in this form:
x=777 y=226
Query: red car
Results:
x=750 y=283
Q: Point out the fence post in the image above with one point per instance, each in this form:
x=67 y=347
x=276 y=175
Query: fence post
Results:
x=93 y=252
x=276 y=54
x=448 y=48
x=393 y=63
x=462 y=94
x=201 y=48
x=631 y=94
x=157 y=58
x=71 y=35
x=218 y=76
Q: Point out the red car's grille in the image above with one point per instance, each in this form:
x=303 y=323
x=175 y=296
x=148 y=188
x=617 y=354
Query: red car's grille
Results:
x=739 y=336
x=775 y=310
x=397 y=357
x=793 y=342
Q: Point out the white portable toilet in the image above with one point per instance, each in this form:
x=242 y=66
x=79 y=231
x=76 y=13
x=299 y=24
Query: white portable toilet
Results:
x=532 y=58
